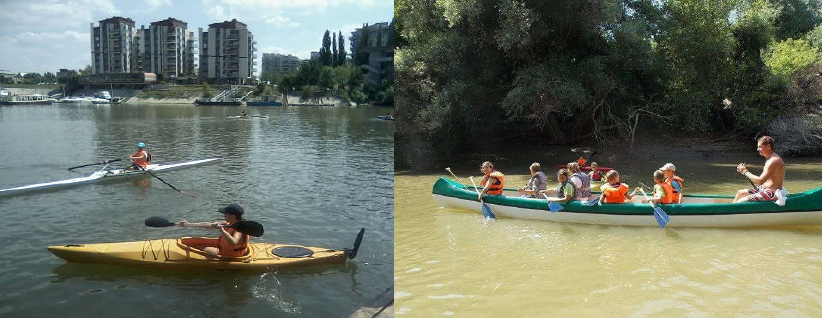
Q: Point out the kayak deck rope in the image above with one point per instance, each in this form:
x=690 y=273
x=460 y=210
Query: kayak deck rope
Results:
x=161 y=250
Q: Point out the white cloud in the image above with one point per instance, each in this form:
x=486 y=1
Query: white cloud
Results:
x=281 y=21
x=54 y=37
x=217 y=12
x=52 y=14
x=302 y=5
x=158 y=3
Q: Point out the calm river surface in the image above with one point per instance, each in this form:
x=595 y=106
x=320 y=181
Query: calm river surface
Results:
x=451 y=263
x=311 y=176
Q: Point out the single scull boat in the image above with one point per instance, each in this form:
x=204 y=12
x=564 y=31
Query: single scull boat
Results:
x=105 y=173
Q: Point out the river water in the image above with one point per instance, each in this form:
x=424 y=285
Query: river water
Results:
x=311 y=176
x=453 y=263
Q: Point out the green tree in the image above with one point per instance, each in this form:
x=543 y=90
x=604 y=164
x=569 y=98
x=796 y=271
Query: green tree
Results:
x=340 y=50
x=785 y=58
x=325 y=50
x=207 y=91
x=360 y=55
x=86 y=70
x=334 y=57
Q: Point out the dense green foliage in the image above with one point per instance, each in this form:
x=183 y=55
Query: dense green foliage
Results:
x=575 y=71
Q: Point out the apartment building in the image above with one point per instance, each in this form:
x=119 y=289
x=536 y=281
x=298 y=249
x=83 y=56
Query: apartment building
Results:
x=227 y=53
x=166 y=48
x=375 y=41
x=278 y=63
x=112 y=46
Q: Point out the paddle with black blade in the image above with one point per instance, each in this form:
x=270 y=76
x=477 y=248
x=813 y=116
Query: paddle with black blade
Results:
x=661 y=217
x=352 y=252
x=246 y=227
x=486 y=210
x=163 y=181
x=95 y=164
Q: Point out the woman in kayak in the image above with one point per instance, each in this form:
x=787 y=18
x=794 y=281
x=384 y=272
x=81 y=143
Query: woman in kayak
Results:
x=231 y=243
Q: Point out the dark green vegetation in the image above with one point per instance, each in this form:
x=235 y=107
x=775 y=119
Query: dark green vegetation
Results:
x=567 y=72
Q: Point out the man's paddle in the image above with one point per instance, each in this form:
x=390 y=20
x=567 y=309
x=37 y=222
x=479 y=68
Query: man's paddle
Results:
x=163 y=181
x=247 y=227
x=661 y=217
x=94 y=164
x=486 y=210
x=749 y=179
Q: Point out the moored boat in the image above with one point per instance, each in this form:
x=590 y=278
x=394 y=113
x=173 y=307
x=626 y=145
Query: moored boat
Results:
x=695 y=211
x=173 y=254
x=34 y=99
x=386 y=117
x=105 y=173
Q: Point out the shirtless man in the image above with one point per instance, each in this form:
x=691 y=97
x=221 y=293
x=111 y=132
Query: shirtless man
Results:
x=771 y=179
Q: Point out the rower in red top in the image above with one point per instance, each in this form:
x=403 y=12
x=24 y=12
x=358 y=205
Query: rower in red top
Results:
x=139 y=159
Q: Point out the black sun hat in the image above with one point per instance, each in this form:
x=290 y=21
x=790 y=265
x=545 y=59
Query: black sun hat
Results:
x=234 y=209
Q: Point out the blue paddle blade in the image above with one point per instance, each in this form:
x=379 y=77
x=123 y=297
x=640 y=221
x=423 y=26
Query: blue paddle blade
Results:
x=661 y=217
x=554 y=207
x=592 y=202
x=486 y=211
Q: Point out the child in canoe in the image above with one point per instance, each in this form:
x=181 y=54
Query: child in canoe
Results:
x=663 y=192
x=614 y=191
x=675 y=181
x=595 y=175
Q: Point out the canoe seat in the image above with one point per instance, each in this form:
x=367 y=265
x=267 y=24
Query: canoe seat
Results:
x=292 y=252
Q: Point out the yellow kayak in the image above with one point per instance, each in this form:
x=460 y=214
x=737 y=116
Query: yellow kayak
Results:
x=172 y=254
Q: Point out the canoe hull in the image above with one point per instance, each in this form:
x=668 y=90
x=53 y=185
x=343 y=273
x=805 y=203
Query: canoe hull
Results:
x=171 y=254
x=703 y=211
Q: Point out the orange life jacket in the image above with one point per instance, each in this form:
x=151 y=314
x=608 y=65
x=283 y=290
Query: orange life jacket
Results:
x=670 y=196
x=142 y=162
x=671 y=180
x=615 y=194
x=226 y=249
x=495 y=188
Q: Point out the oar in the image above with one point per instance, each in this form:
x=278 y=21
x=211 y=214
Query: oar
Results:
x=486 y=210
x=661 y=217
x=552 y=206
x=247 y=227
x=352 y=252
x=749 y=179
x=163 y=181
x=455 y=176
x=94 y=164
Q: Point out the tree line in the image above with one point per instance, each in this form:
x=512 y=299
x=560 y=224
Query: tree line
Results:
x=572 y=71
x=333 y=73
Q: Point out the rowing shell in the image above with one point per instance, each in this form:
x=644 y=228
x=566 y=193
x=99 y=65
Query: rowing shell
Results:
x=105 y=173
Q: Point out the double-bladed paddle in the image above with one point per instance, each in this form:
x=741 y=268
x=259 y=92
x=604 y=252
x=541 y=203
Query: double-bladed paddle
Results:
x=94 y=164
x=486 y=210
x=661 y=217
x=247 y=227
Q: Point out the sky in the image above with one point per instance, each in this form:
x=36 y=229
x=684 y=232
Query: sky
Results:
x=47 y=35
